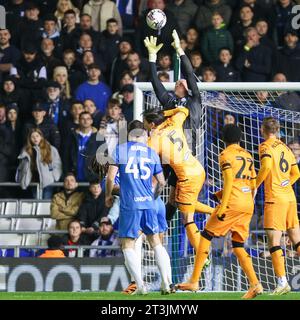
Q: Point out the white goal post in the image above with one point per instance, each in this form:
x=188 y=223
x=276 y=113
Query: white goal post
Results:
x=248 y=103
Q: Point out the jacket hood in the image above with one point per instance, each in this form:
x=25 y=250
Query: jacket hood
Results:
x=90 y=198
x=94 y=130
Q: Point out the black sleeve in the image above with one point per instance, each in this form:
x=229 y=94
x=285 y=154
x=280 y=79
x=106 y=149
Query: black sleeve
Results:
x=190 y=77
x=55 y=137
x=162 y=94
x=82 y=215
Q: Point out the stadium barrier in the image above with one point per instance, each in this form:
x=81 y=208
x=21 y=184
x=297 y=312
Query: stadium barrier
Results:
x=69 y=274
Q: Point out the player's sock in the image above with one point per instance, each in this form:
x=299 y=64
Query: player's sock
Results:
x=193 y=234
x=278 y=261
x=282 y=281
x=163 y=262
x=132 y=263
x=246 y=264
x=138 y=250
x=203 y=208
x=168 y=265
x=201 y=255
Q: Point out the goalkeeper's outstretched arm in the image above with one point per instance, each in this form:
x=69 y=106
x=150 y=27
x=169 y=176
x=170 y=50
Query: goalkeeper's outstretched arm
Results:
x=162 y=94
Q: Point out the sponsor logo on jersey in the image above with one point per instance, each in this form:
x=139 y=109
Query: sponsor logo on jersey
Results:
x=246 y=189
x=285 y=183
x=143 y=199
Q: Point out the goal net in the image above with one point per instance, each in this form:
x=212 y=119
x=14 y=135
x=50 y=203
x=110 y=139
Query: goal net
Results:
x=246 y=104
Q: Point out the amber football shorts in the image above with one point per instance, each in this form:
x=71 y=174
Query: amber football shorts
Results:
x=280 y=215
x=187 y=192
x=236 y=222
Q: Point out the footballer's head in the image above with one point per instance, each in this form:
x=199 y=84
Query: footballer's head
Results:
x=137 y=132
x=231 y=134
x=153 y=118
x=270 y=127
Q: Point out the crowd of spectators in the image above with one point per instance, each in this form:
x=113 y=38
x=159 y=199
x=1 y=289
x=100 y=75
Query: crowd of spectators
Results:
x=67 y=70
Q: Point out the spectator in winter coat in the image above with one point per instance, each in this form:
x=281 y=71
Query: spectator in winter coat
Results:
x=90 y=107
x=75 y=237
x=215 y=39
x=48 y=58
x=255 y=61
x=134 y=63
x=111 y=125
x=57 y=107
x=289 y=57
x=184 y=11
x=205 y=11
x=127 y=104
x=46 y=125
x=197 y=63
x=11 y=93
x=9 y=54
x=30 y=71
x=100 y=11
x=109 y=45
x=65 y=204
x=107 y=237
x=226 y=72
x=92 y=209
x=83 y=146
x=192 y=41
x=60 y=74
x=94 y=89
x=70 y=32
x=39 y=162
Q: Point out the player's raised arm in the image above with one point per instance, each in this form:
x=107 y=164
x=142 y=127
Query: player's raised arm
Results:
x=162 y=94
x=187 y=66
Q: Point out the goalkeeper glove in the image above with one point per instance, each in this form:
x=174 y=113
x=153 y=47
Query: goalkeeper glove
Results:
x=150 y=44
x=176 y=43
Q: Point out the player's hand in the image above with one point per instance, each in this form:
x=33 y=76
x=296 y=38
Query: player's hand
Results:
x=150 y=44
x=109 y=200
x=176 y=43
x=220 y=213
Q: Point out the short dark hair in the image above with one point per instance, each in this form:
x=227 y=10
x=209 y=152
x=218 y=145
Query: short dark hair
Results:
x=113 y=102
x=155 y=116
x=76 y=102
x=95 y=181
x=69 y=174
x=231 y=134
x=209 y=68
x=85 y=14
x=55 y=242
x=195 y=53
x=225 y=48
x=70 y=11
x=137 y=126
x=83 y=113
x=112 y=20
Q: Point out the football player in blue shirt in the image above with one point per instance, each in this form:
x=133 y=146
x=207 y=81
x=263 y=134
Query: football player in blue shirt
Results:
x=137 y=165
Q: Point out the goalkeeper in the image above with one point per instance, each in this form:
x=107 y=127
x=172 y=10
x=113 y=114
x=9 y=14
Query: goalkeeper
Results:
x=181 y=97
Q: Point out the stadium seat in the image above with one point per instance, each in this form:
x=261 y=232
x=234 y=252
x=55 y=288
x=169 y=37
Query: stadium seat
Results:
x=29 y=224
x=11 y=207
x=49 y=224
x=43 y=208
x=27 y=207
x=44 y=238
x=12 y=239
x=31 y=239
x=6 y=224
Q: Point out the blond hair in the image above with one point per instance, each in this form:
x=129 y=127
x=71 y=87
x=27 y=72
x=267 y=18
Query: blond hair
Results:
x=270 y=125
x=66 y=90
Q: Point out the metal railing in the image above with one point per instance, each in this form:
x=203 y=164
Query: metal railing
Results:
x=39 y=189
